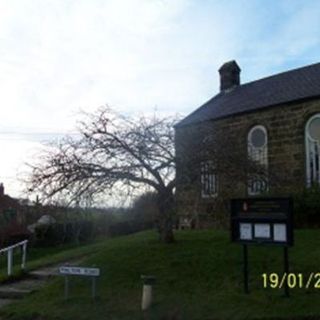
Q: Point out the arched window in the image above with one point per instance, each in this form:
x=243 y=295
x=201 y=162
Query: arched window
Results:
x=258 y=157
x=312 y=136
x=209 y=181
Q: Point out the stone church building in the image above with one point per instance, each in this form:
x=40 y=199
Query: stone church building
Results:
x=252 y=139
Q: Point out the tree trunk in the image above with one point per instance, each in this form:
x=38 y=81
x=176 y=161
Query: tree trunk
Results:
x=165 y=219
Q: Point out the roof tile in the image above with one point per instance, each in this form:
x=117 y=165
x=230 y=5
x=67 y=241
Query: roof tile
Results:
x=275 y=90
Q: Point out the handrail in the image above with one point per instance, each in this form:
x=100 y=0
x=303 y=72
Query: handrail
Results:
x=9 y=249
x=13 y=246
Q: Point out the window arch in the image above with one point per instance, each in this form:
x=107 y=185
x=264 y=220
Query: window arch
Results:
x=312 y=137
x=257 y=142
x=209 y=181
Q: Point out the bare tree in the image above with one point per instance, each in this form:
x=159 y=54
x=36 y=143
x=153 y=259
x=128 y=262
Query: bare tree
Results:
x=113 y=154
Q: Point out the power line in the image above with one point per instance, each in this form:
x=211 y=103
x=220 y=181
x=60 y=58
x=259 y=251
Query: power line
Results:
x=42 y=136
x=37 y=133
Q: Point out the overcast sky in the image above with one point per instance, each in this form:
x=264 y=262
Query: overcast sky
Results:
x=60 y=56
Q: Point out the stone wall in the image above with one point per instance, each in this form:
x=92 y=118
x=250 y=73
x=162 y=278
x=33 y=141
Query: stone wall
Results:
x=285 y=126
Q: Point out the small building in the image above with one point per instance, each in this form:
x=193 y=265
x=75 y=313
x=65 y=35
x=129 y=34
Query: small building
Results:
x=12 y=219
x=251 y=139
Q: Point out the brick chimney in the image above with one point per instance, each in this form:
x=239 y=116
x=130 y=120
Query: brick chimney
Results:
x=1 y=190
x=229 y=75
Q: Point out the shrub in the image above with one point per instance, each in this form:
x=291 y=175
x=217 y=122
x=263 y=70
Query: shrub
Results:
x=49 y=235
x=307 y=208
x=127 y=227
x=60 y=233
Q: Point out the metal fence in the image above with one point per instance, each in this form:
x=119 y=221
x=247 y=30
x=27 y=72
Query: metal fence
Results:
x=9 y=250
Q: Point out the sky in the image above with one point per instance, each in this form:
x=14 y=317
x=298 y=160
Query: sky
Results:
x=58 y=57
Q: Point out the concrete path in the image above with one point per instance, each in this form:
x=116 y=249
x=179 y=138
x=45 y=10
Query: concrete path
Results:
x=34 y=281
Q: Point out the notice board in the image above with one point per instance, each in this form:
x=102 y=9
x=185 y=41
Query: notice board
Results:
x=262 y=221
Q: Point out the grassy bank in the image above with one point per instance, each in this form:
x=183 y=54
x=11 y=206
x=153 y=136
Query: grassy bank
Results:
x=198 y=277
x=39 y=257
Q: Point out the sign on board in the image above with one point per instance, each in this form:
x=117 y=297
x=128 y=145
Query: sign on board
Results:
x=262 y=220
x=80 y=271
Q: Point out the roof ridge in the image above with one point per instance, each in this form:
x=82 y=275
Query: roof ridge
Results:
x=295 y=84
x=281 y=73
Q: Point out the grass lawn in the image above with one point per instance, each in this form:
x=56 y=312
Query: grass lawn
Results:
x=40 y=257
x=198 y=277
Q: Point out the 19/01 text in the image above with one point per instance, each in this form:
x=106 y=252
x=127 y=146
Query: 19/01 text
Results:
x=291 y=280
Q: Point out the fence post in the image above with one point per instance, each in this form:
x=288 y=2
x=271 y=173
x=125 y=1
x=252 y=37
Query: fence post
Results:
x=24 y=255
x=10 y=260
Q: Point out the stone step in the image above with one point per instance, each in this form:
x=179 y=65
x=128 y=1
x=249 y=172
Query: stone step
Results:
x=27 y=284
x=35 y=280
x=44 y=273
x=13 y=293
x=4 y=302
x=39 y=274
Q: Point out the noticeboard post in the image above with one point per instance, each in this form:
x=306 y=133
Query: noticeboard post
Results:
x=262 y=221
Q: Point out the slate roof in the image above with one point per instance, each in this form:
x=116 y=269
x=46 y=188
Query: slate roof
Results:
x=281 y=88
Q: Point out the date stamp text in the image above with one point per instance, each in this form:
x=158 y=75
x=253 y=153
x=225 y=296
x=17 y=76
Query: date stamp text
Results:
x=291 y=280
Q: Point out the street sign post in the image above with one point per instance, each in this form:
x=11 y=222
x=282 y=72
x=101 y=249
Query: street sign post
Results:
x=67 y=271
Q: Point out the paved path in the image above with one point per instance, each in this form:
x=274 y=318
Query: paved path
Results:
x=10 y=292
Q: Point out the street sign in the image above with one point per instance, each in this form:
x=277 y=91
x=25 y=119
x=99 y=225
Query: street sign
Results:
x=80 y=271
x=262 y=221
x=67 y=271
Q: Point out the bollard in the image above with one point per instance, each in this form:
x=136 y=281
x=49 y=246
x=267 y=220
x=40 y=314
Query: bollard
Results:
x=148 y=282
x=10 y=261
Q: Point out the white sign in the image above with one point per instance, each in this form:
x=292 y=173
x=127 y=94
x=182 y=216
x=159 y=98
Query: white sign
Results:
x=280 y=232
x=262 y=230
x=94 y=272
x=245 y=231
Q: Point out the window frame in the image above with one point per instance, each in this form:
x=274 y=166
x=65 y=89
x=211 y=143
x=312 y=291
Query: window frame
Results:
x=209 y=176
x=308 y=141
x=264 y=153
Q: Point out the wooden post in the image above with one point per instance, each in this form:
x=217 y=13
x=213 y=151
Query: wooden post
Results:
x=286 y=270
x=245 y=269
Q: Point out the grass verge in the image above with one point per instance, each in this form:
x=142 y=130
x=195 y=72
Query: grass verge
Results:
x=198 y=277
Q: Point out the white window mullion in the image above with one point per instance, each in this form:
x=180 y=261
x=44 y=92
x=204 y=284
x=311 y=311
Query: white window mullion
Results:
x=312 y=143
x=258 y=153
x=314 y=175
x=317 y=162
x=308 y=161
x=208 y=179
